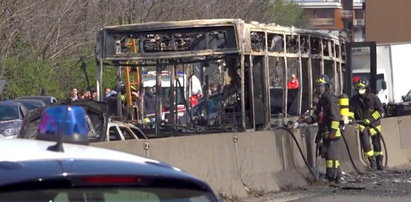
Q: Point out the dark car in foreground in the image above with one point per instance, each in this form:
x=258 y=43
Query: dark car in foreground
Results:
x=65 y=168
x=83 y=173
x=12 y=115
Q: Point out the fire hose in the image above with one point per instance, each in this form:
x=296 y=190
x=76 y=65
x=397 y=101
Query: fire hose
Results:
x=287 y=127
x=383 y=142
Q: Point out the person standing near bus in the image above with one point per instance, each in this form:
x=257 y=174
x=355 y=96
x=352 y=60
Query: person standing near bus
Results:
x=327 y=115
x=149 y=103
x=367 y=107
x=293 y=82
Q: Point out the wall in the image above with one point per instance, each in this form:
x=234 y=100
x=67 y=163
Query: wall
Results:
x=239 y=164
x=388 y=21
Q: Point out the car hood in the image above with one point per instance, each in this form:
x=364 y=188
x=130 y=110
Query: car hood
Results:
x=10 y=123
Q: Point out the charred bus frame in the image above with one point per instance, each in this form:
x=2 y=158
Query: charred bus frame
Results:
x=249 y=62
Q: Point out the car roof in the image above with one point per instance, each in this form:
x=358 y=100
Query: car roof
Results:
x=10 y=103
x=31 y=101
x=46 y=99
x=24 y=150
x=38 y=151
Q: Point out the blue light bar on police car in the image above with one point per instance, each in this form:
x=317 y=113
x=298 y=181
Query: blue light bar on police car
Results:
x=65 y=122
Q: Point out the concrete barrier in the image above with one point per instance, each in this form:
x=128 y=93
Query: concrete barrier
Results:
x=405 y=135
x=232 y=163
x=352 y=141
x=261 y=161
x=391 y=135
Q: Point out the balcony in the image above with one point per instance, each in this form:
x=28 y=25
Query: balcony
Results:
x=322 y=21
x=318 y=3
x=359 y=22
x=358 y=4
x=306 y=1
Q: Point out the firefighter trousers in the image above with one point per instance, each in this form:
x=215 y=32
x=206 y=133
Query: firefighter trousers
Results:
x=333 y=171
x=375 y=149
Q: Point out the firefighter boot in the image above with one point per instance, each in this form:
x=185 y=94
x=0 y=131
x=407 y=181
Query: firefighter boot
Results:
x=330 y=174
x=338 y=175
x=371 y=159
x=379 y=162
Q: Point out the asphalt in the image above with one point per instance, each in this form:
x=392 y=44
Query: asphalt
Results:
x=375 y=186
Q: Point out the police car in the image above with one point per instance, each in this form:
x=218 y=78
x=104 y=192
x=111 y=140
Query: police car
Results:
x=38 y=170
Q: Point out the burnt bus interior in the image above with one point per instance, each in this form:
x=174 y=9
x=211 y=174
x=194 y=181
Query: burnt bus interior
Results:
x=226 y=85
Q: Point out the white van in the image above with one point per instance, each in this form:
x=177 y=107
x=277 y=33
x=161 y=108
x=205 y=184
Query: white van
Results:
x=149 y=80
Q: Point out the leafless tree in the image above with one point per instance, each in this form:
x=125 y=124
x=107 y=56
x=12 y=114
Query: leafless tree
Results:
x=62 y=31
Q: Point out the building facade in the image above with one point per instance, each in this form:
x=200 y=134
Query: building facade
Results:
x=346 y=15
x=388 y=21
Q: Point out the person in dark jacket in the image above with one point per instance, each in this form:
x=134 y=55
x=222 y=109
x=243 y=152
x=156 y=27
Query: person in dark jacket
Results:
x=149 y=103
x=327 y=115
x=367 y=108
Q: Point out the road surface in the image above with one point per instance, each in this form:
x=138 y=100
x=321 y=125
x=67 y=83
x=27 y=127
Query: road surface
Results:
x=376 y=186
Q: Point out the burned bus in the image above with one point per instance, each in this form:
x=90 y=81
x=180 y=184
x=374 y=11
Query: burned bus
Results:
x=243 y=69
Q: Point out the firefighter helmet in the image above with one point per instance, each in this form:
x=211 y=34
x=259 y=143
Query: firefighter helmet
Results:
x=362 y=83
x=322 y=79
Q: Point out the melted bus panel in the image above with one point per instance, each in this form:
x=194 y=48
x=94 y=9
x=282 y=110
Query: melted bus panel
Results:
x=171 y=40
x=243 y=71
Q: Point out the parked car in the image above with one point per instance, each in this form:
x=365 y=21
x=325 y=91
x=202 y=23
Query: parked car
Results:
x=49 y=100
x=101 y=128
x=31 y=104
x=12 y=115
x=407 y=97
x=402 y=108
x=118 y=130
x=105 y=128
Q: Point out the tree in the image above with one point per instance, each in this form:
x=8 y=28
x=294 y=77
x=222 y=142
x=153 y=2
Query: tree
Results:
x=43 y=40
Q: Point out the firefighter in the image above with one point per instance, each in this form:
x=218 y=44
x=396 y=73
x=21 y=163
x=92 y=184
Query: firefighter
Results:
x=367 y=107
x=327 y=115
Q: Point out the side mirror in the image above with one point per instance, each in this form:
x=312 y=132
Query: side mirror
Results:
x=384 y=85
x=403 y=98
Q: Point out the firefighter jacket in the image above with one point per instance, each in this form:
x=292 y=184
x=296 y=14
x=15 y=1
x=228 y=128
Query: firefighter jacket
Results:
x=368 y=107
x=327 y=115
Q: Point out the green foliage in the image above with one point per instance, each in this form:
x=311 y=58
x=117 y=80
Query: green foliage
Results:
x=285 y=13
x=109 y=75
x=28 y=76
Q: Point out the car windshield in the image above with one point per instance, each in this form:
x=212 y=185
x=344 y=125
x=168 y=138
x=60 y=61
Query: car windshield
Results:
x=8 y=113
x=108 y=194
x=31 y=106
x=408 y=96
